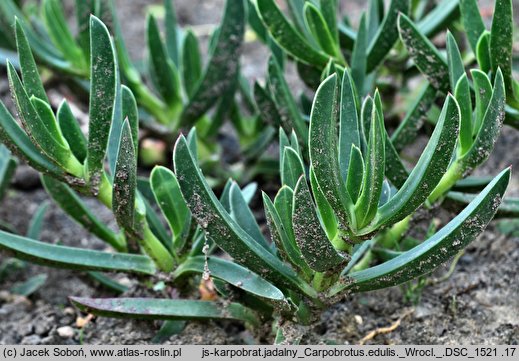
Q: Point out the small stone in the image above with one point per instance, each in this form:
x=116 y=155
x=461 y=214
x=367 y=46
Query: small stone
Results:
x=31 y=340
x=69 y=311
x=66 y=332
x=358 y=319
x=422 y=312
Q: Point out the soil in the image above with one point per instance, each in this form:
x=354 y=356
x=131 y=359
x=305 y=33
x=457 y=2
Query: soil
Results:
x=477 y=304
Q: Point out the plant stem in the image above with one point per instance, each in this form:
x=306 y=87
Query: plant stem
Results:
x=449 y=179
x=156 y=250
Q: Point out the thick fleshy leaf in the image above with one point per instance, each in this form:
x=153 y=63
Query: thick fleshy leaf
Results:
x=71 y=131
x=7 y=168
x=483 y=52
x=107 y=282
x=161 y=67
x=167 y=193
x=172 y=33
x=292 y=167
x=436 y=250
x=367 y=204
x=325 y=211
x=472 y=21
x=287 y=36
x=329 y=9
x=191 y=63
x=36 y=223
x=323 y=150
x=279 y=230
x=408 y=128
x=509 y=206
x=291 y=119
x=231 y=273
x=30 y=286
x=60 y=34
x=387 y=34
x=442 y=15
x=428 y=171
x=223 y=230
x=454 y=61
x=223 y=66
x=358 y=57
x=501 y=43
x=14 y=138
x=30 y=75
x=267 y=106
x=102 y=97
x=483 y=91
x=355 y=173
x=242 y=214
x=395 y=170
x=317 y=250
x=424 y=54
x=318 y=27
x=70 y=202
x=490 y=128
x=125 y=181
x=74 y=258
x=463 y=96
x=35 y=126
x=164 y=309
x=349 y=128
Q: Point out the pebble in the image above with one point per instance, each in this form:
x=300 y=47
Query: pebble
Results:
x=66 y=332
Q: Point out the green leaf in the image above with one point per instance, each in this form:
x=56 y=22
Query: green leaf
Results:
x=424 y=54
x=7 y=168
x=267 y=107
x=325 y=211
x=428 y=171
x=501 y=43
x=231 y=273
x=436 y=250
x=47 y=117
x=355 y=173
x=408 y=128
x=349 y=127
x=292 y=167
x=483 y=52
x=125 y=181
x=441 y=16
x=483 y=92
x=13 y=136
x=463 y=96
x=161 y=67
x=164 y=309
x=472 y=21
x=191 y=63
x=329 y=9
x=167 y=330
x=291 y=119
x=167 y=193
x=107 y=282
x=367 y=204
x=323 y=150
x=103 y=86
x=223 y=230
x=34 y=230
x=386 y=36
x=223 y=66
x=359 y=56
x=83 y=10
x=284 y=205
x=71 y=204
x=74 y=258
x=454 y=61
x=30 y=75
x=490 y=128
x=509 y=207
x=395 y=170
x=287 y=37
x=60 y=34
x=317 y=250
x=242 y=215
x=71 y=131
x=318 y=27
x=35 y=126
x=172 y=35
x=30 y=286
